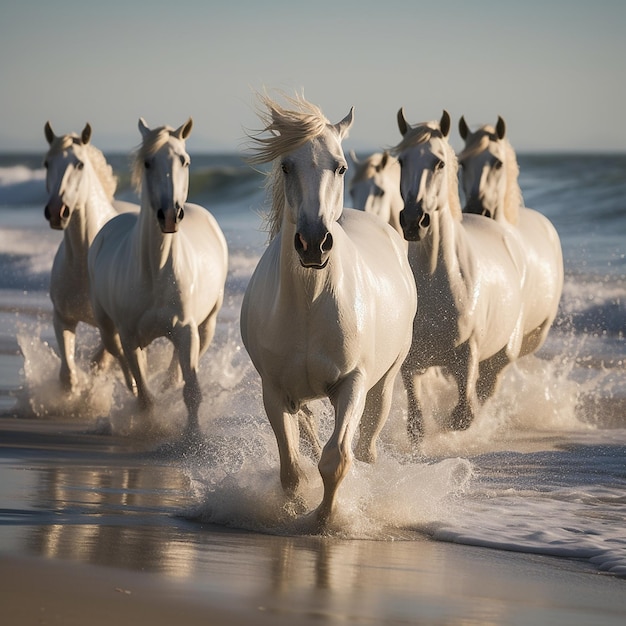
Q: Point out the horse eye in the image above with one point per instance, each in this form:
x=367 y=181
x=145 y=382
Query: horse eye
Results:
x=80 y=165
x=497 y=164
x=379 y=193
x=284 y=168
x=440 y=165
x=183 y=161
x=341 y=170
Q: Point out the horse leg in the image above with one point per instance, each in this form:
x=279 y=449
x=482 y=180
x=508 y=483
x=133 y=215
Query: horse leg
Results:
x=465 y=372
x=348 y=399
x=66 y=339
x=308 y=428
x=287 y=438
x=187 y=342
x=415 y=420
x=489 y=374
x=173 y=376
x=533 y=340
x=112 y=344
x=206 y=330
x=375 y=414
x=101 y=358
x=137 y=364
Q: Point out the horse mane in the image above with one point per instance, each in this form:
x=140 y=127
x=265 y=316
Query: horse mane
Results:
x=477 y=143
x=421 y=133
x=103 y=170
x=513 y=199
x=154 y=140
x=284 y=130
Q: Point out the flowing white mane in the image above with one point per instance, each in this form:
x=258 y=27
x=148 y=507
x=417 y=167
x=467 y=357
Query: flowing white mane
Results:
x=421 y=133
x=288 y=130
x=103 y=170
x=477 y=143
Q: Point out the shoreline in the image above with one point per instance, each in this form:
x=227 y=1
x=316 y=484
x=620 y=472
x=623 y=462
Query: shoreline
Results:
x=130 y=557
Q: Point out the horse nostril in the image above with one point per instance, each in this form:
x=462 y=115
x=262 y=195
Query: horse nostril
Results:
x=299 y=243
x=327 y=244
x=160 y=215
x=46 y=213
x=180 y=213
x=425 y=221
x=65 y=212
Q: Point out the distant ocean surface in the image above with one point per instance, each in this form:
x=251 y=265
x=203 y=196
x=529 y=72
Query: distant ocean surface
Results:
x=542 y=470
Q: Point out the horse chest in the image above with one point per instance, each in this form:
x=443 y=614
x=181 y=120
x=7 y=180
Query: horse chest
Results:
x=307 y=350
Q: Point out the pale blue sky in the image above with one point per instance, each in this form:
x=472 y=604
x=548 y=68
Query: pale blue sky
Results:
x=554 y=69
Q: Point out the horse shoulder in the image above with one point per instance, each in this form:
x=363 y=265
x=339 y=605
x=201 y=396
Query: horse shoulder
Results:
x=375 y=239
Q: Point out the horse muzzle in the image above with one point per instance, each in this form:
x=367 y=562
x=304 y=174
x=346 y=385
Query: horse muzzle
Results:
x=414 y=222
x=58 y=215
x=476 y=207
x=315 y=252
x=169 y=219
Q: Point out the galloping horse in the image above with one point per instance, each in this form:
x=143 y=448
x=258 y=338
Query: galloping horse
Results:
x=155 y=274
x=469 y=275
x=490 y=182
x=375 y=187
x=329 y=308
x=80 y=186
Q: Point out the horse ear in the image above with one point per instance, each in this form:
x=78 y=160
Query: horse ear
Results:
x=353 y=157
x=444 y=123
x=402 y=123
x=85 y=136
x=344 y=126
x=184 y=130
x=143 y=127
x=500 y=128
x=48 y=132
x=463 y=128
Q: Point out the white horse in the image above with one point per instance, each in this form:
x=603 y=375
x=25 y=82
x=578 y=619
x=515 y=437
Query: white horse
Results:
x=469 y=274
x=489 y=177
x=329 y=308
x=80 y=186
x=155 y=274
x=375 y=187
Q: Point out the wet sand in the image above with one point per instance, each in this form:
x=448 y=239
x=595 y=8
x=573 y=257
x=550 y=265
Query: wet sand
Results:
x=94 y=530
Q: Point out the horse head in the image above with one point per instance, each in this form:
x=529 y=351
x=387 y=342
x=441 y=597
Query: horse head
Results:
x=424 y=156
x=375 y=186
x=483 y=177
x=65 y=162
x=162 y=164
x=313 y=179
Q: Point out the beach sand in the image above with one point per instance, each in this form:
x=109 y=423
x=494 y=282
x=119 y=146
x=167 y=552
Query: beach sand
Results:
x=91 y=532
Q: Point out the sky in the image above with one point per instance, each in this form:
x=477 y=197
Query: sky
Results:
x=555 y=70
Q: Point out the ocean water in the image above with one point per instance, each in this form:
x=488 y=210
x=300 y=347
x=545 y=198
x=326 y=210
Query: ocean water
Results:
x=542 y=470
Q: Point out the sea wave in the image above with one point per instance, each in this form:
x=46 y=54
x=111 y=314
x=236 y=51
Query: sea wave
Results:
x=213 y=179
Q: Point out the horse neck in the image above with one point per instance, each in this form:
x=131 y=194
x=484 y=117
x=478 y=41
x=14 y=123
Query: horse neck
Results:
x=155 y=248
x=437 y=251
x=87 y=220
